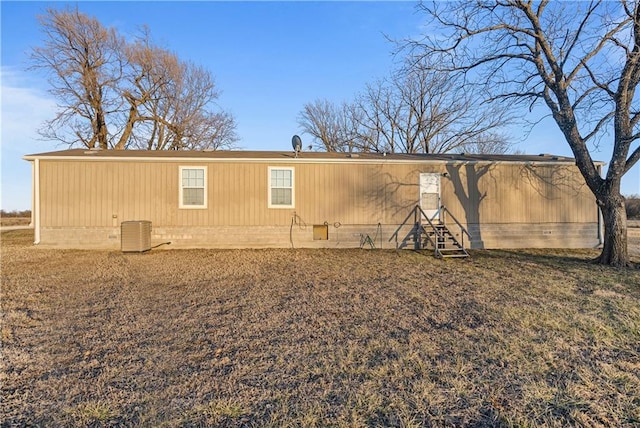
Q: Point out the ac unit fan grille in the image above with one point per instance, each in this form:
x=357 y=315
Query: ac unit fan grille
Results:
x=135 y=236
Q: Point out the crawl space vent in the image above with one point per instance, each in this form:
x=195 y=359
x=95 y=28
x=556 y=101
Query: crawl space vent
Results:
x=135 y=236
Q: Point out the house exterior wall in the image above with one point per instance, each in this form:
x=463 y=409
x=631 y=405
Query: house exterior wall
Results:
x=503 y=205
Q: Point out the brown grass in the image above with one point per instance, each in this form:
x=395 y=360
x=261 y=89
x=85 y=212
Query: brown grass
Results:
x=15 y=221
x=349 y=338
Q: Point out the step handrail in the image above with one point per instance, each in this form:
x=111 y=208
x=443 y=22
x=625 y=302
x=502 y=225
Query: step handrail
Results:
x=404 y=222
x=439 y=235
x=445 y=210
x=417 y=220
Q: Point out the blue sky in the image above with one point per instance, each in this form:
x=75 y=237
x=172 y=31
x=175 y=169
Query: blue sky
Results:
x=269 y=59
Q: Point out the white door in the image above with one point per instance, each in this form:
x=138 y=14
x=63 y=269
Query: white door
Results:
x=430 y=195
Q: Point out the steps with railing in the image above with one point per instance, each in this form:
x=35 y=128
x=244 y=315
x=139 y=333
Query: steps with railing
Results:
x=432 y=234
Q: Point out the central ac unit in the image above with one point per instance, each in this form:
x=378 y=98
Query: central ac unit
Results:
x=135 y=236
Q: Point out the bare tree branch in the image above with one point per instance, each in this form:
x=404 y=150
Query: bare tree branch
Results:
x=416 y=110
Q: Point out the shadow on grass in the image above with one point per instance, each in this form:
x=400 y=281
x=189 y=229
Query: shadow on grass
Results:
x=547 y=256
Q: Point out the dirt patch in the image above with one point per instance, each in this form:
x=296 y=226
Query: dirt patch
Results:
x=316 y=338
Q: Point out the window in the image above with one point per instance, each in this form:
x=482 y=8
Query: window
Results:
x=193 y=187
x=281 y=193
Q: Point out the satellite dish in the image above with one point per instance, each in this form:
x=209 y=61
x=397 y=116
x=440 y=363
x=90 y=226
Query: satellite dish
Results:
x=296 y=142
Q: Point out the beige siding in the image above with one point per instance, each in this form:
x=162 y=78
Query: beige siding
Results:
x=515 y=193
x=102 y=194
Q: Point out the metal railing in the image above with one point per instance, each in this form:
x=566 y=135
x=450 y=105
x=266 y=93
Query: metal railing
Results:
x=418 y=215
x=463 y=231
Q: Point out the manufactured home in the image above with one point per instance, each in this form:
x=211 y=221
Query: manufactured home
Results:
x=245 y=199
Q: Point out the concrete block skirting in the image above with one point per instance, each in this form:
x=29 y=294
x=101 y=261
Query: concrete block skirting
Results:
x=339 y=236
x=541 y=235
x=487 y=236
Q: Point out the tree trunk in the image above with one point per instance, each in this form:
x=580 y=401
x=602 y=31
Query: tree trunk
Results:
x=128 y=128
x=614 y=251
x=103 y=142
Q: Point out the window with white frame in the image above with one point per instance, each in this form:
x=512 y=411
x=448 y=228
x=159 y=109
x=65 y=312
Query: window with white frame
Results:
x=281 y=190
x=193 y=187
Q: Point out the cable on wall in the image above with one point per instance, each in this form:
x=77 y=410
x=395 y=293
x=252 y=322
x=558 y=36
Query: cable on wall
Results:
x=296 y=219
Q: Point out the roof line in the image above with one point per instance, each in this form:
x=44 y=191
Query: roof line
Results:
x=299 y=160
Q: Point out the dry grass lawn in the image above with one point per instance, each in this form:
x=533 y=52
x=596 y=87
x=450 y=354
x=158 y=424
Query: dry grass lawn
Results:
x=346 y=338
x=15 y=221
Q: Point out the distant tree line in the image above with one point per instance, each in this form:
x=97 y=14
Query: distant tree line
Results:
x=632 y=204
x=15 y=213
x=113 y=93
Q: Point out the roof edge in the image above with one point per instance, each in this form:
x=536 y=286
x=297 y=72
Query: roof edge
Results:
x=288 y=157
x=304 y=161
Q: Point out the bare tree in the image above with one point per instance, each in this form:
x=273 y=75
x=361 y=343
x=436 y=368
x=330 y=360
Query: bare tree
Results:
x=185 y=115
x=148 y=73
x=421 y=110
x=84 y=66
x=581 y=60
x=176 y=114
x=330 y=125
x=118 y=95
x=416 y=110
x=379 y=117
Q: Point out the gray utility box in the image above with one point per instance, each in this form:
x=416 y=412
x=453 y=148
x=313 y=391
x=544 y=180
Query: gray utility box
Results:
x=135 y=236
